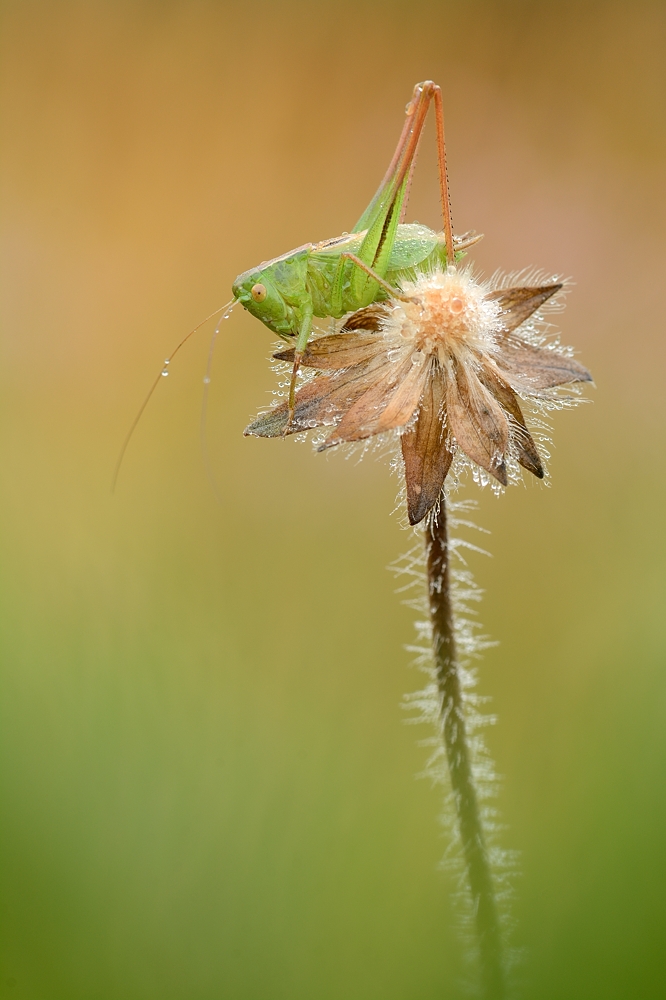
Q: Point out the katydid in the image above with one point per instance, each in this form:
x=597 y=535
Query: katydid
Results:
x=341 y=275
x=334 y=277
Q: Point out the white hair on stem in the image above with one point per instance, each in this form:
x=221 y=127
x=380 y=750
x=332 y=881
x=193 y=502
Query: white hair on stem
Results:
x=429 y=707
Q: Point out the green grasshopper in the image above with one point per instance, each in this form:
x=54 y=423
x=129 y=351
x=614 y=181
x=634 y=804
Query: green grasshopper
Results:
x=338 y=276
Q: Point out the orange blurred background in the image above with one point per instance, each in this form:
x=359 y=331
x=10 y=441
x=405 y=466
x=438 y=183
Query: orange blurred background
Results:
x=208 y=789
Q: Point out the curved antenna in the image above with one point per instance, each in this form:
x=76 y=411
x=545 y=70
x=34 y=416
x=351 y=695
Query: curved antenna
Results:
x=225 y=310
x=204 y=411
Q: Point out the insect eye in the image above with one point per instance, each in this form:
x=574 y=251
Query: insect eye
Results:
x=258 y=293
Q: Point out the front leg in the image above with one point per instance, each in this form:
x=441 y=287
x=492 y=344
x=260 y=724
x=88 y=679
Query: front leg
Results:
x=301 y=344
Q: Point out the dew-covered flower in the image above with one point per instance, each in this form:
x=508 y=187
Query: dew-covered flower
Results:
x=444 y=365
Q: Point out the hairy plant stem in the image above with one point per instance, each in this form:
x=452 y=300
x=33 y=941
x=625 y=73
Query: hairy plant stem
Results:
x=454 y=734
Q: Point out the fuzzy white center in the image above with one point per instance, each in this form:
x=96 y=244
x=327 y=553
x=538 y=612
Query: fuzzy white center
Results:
x=447 y=314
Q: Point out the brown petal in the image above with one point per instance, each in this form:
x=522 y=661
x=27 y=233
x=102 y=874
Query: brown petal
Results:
x=336 y=351
x=534 y=368
x=320 y=401
x=518 y=304
x=424 y=449
x=390 y=402
x=270 y=424
x=369 y=318
x=527 y=453
x=477 y=422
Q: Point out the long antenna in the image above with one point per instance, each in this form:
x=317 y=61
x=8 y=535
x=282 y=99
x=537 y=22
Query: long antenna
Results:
x=226 y=310
x=204 y=411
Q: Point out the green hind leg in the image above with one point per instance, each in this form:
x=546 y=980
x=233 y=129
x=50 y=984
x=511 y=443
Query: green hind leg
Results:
x=394 y=293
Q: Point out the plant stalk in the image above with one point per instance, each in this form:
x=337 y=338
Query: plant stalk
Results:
x=454 y=734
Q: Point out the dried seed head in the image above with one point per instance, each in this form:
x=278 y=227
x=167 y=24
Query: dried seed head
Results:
x=447 y=366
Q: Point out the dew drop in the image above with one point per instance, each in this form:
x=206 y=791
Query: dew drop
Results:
x=165 y=372
x=206 y=380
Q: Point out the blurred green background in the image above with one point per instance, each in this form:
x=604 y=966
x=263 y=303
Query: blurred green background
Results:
x=208 y=789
